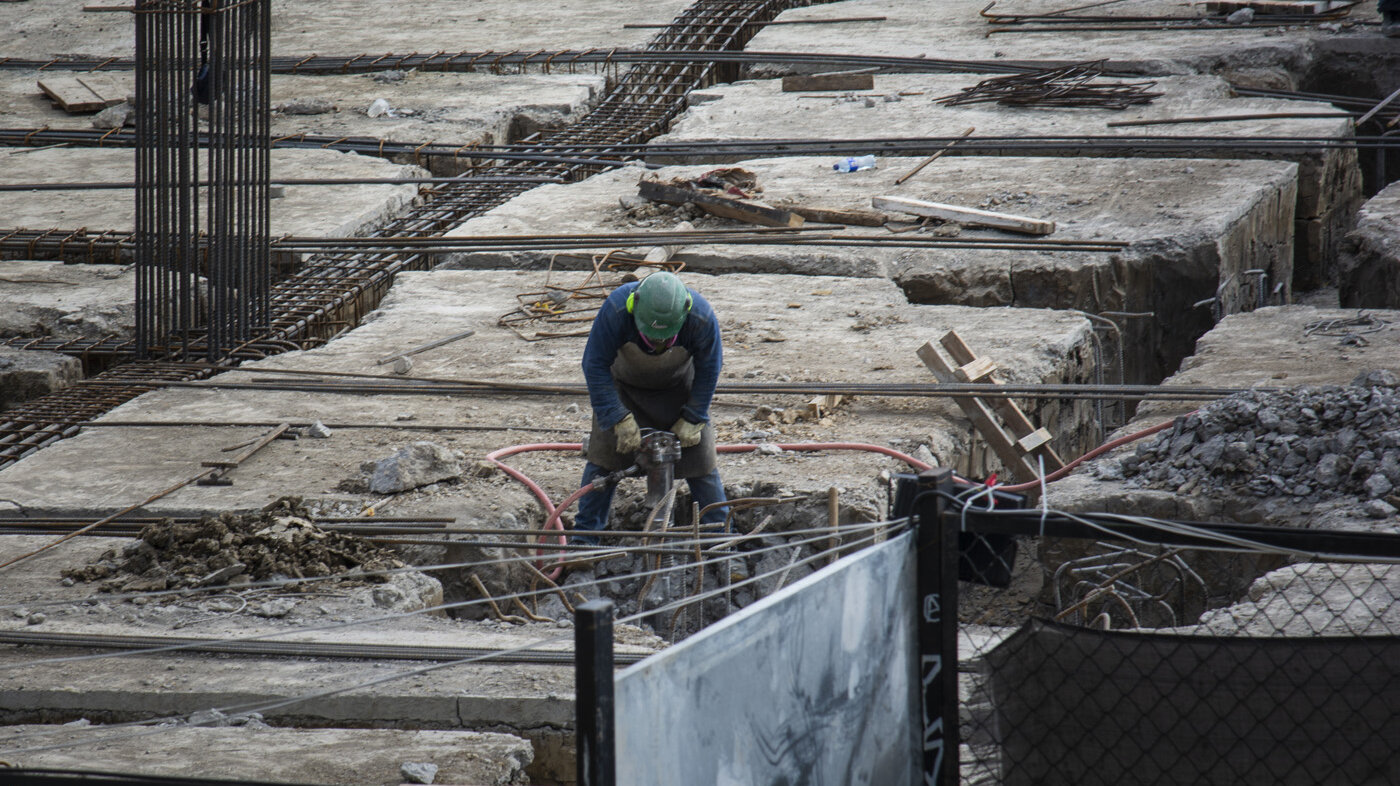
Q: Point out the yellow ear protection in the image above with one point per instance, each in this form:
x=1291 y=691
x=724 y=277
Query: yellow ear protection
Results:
x=632 y=301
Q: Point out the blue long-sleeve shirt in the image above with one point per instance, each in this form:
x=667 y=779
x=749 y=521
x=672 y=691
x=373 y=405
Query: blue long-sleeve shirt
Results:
x=613 y=327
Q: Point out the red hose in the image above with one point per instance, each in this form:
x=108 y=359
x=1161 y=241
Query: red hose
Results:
x=553 y=513
x=1095 y=453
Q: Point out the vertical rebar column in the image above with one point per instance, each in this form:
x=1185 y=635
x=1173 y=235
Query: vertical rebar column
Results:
x=167 y=172
x=193 y=52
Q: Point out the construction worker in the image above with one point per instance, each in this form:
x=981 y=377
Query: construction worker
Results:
x=652 y=361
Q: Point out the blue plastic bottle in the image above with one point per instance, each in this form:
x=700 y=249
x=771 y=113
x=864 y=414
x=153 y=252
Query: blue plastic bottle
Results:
x=854 y=164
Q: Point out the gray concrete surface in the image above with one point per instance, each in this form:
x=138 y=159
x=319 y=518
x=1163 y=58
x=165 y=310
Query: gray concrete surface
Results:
x=66 y=301
x=1369 y=269
x=338 y=756
x=58 y=28
x=443 y=108
x=1272 y=57
x=1329 y=181
x=1273 y=347
x=318 y=211
x=1194 y=227
x=26 y=374
x=533 y=701
x=801 y=328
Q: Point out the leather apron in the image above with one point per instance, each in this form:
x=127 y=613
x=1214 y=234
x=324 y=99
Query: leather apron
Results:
x=654 y=388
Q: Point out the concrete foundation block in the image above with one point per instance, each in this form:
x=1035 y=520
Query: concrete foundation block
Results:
x=27 y=374
x=1368 y=274
x=260 y=753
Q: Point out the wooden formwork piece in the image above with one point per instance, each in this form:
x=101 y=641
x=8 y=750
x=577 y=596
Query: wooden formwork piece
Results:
x=1018 y=442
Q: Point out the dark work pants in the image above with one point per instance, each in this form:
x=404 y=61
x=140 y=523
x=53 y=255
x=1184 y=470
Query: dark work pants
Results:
x=593 y=508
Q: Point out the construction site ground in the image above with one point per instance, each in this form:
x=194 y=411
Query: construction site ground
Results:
x=1266 y=56
x=442 y=108
x=907 y=105
x=1189 y=225
x=1195 y=227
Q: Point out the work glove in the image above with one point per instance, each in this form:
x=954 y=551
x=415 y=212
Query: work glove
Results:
x=687 y=433
x=628 y=437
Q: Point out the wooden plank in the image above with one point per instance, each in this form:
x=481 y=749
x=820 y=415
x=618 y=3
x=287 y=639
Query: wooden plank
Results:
x=832 y=215
x=964 y=215
x=763 y=215
x=975 y=371
x=1016 y=420
x=982 y=419
x=71 y=94
x=1035 y=439
x=819 y=406
x=799 y=83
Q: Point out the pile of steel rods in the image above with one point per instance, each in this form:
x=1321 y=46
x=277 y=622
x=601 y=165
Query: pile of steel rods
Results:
x=1068 y=86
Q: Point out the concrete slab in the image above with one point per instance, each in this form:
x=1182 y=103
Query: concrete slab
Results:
x=1274 y=347
x=464 y=109
x=1369 y=269
x=1194 y=228
x=26 y=375
x=1269 y=57
x=532 y=700
x=59 y=28
x=799 y=328
x=1329 y=181
x=322 y=211
x=340 y=756
x=66 y=301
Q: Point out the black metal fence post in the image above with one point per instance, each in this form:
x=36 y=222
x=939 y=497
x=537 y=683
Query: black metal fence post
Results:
x=937 y=571
x=593 y=694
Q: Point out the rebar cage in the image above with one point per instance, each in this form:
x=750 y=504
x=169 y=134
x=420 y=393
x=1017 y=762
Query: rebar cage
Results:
x=202 y=255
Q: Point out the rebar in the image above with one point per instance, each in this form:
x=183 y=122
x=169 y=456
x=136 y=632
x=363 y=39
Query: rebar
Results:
x=211 y=53
x=1067 y=86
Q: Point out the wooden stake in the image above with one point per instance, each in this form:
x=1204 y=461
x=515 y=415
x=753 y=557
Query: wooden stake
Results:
x=935 y=156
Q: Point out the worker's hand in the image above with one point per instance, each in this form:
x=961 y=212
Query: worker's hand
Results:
x=628 y=436
x=687 y=433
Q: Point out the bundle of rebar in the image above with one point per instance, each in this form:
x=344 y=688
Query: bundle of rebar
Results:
x=1069 y=86
x=191 y=298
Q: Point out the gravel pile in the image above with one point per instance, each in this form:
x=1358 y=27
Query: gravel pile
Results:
x=279 y=542
x=1310 y=443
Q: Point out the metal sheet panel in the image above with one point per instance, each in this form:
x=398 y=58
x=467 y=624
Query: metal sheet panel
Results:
x=813 y=685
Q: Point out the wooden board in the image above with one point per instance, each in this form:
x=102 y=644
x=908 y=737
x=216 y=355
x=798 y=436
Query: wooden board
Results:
x=86 y=92
x=1003 y=444
x=964 y=215
x=1028 y=437
x=726 y=207
x=824 y=215
x=799 y=83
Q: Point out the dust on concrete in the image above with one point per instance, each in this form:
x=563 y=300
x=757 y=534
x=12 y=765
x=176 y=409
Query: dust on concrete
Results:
x=279 y=542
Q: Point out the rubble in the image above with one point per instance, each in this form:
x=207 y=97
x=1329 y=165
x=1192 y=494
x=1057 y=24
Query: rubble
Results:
x=278 y=542
x=1314 y=443
x=416 y=465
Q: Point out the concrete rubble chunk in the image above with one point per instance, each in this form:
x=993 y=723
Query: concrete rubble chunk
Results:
x=115 y=116
x=418 y=771
x=415 y=465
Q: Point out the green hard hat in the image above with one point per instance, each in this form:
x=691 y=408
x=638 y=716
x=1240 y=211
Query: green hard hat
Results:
x=659 y=306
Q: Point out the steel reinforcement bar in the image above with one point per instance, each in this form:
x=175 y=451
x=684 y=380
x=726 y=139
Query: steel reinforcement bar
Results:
x=330 y=295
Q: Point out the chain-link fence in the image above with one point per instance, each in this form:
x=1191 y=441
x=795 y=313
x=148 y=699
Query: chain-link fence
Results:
x=1163 y=652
